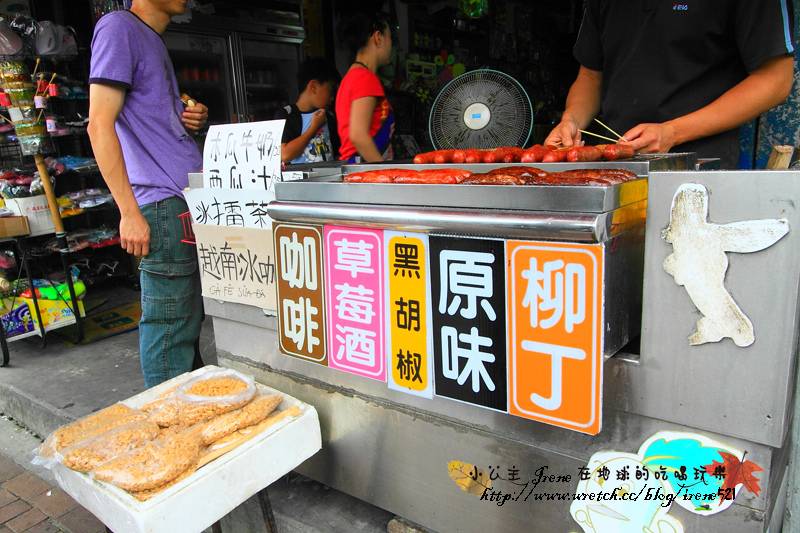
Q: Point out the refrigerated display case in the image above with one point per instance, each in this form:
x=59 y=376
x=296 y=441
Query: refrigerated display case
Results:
x=270 y=69
x=204 y=69
x=242 y=67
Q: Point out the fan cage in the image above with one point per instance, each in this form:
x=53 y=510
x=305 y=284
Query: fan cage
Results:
x=511 y=119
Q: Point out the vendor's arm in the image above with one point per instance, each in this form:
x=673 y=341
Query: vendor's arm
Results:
x=361 y=111
x=583 y=104
x=294 y=148
x=194 y=117
x=764 y=88
x=105 y=105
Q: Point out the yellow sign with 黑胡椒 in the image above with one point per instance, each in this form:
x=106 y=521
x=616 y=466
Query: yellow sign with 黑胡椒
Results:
x=409 y=351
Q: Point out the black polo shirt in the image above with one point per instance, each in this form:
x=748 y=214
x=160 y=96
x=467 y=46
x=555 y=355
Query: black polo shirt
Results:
x=664 y=59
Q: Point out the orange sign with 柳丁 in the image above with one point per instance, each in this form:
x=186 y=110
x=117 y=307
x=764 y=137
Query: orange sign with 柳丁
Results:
x=555 y=333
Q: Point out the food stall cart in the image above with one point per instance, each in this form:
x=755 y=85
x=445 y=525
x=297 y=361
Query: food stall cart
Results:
x=503 y=358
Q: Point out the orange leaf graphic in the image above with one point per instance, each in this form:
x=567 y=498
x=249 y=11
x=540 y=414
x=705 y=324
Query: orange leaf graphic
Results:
x=736 y=472
x=470 y=478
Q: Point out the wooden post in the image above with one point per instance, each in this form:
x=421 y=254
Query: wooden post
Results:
x=781 y=157
x=50 y=193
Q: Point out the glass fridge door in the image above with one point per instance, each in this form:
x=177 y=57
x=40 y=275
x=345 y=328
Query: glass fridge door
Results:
x=270 y=69
x=203 y=68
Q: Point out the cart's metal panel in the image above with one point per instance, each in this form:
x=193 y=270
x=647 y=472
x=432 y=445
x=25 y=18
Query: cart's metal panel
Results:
x=392 y=449
x=577 y=227
x=744 y=392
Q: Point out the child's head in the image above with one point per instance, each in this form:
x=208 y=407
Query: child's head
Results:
x=319 y=78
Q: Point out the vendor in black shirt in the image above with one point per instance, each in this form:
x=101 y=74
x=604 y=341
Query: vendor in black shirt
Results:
x=679 y=77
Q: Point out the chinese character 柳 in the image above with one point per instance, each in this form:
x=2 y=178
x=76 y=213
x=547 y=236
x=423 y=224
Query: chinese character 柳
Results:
x=563 y=293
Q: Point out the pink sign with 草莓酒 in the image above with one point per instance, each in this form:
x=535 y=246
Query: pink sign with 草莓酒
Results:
x=355 y=300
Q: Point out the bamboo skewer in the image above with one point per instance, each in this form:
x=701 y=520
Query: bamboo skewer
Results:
x=620 y=137
x=44 y=90
x=41 y=78
x=35 y=68
x=600 y=136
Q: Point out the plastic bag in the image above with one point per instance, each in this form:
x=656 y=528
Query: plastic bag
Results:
x=213 y=393
x=154 y=464
x=165 y=413
x=88 y=454
x=83 y=429
x=54 y=39
x=144 y=495
x=254 y=412
x=10 y=42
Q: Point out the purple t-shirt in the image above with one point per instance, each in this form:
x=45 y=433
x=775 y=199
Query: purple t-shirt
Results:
x=159 y=152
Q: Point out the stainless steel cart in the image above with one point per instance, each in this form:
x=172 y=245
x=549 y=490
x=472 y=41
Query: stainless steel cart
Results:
x=395 y=449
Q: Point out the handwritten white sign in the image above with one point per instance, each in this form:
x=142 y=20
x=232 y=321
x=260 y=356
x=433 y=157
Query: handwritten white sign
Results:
x=237 y=264
x=243 y=156
x=229 y=207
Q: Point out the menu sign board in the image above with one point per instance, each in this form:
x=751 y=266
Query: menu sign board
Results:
x=355 y=298
x=228 y=207
x=469 y=320
x=236 y=264
x=301 y=300
x=409 y=343
x=243 y=156
x=555 y=333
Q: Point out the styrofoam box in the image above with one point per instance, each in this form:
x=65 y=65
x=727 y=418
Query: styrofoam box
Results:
x=195 y=503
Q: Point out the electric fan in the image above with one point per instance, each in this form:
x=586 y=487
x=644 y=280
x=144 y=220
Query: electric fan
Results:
x=481 y=109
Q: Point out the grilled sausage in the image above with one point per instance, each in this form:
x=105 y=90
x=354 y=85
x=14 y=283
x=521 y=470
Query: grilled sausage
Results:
x=584 y=153
x=612 y=152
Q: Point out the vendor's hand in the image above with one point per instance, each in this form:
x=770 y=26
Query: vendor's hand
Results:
x=134 y=235
x=194 y=117
x=650 y=138
x=318 y=119
x=566 y=134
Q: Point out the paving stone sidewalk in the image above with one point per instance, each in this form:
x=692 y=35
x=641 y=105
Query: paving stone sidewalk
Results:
x=30 y=504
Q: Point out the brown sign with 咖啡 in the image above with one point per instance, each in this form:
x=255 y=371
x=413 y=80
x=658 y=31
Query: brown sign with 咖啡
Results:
x=301 y=303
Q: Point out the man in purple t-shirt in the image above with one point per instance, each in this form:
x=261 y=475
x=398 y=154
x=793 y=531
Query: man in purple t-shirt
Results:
x=140 y=136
